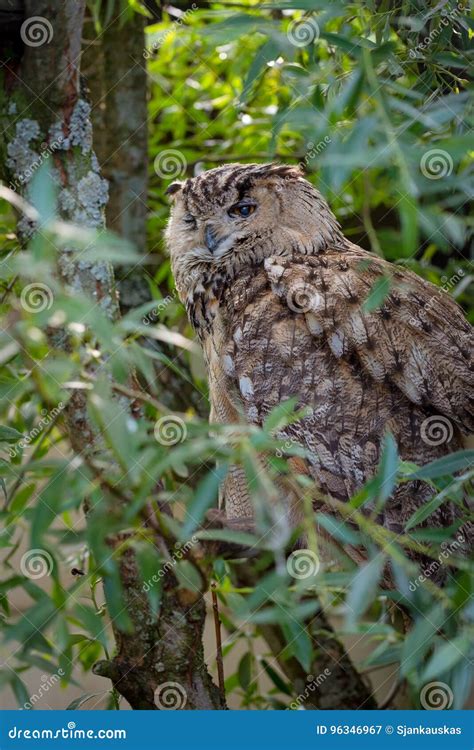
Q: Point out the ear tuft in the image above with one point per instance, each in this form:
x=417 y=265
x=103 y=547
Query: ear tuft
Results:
x=288 y=171
x=284 y=171
x=173 y=188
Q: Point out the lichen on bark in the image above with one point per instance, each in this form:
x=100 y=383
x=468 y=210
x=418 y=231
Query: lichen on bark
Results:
x=41 y=103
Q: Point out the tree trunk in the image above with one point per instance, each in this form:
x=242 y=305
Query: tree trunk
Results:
x=115 y=71
x=42 y=104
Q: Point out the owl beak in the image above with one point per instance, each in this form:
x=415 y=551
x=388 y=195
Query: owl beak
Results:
x=210 y=238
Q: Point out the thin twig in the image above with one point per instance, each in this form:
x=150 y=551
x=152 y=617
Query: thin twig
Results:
x=8 y=289
x=144 y=398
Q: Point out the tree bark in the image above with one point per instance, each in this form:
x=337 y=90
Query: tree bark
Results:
x=115 y=71
x=42 y=104
x=333 y=681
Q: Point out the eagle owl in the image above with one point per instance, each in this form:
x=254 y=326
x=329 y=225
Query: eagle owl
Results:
x=281 y=302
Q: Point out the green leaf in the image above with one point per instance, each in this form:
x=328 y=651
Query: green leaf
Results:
x=38 y=618
x=298 y=643
x=385 y=653
x=265 y=589
x=338 y=529
x=245 y=670
x=347 y=45
x=268 y=51
x=424 y=511
x=446 y=657
x=205 y=496
x=441 y=467
x=94 y=625
x=117 y=427
x=387 y=471
x=150 y=563
x=279 y=683
x=21 y=498
x=378 y=293
x=281 y=415
x=42 y=192
x=48 y=506
x=280 y=614
x=188 y=575
x=19 y=688
x=420 y=639
x=450 y=60
x=408 y=211
x=363 y=589
x=78 y=702
x=461 y=682
x=226 y=535
x=115 y=601
x=10 y=435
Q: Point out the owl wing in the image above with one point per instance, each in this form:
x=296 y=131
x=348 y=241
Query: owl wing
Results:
x=416 y=338
x=300 y=326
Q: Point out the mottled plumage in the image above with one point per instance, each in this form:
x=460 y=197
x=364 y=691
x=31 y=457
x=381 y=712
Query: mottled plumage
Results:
x=279 y=299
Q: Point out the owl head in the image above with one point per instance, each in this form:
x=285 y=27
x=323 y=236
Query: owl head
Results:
x=240 y=214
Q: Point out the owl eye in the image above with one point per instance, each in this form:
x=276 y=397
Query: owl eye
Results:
x=242 y=209
x=190 y=221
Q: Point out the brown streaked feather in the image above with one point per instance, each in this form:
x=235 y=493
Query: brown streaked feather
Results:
x=356 y=392
x=417 y=339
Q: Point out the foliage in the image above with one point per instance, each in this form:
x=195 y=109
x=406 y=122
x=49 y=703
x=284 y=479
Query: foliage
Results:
x=361 y=104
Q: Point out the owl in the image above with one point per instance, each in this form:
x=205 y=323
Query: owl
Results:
x=285 y=306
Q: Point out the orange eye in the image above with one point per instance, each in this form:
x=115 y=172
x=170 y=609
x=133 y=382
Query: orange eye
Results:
x=243 y=209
